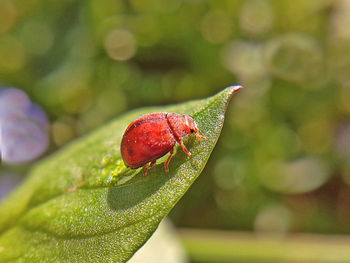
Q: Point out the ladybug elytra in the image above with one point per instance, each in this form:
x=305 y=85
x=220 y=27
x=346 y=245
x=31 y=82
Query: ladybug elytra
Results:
x=153 y=135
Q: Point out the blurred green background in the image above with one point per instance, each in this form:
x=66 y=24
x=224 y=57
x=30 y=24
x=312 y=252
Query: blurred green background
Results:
x=282 y=163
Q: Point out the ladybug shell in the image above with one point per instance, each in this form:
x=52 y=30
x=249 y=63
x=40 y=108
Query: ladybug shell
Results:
x=147 y=139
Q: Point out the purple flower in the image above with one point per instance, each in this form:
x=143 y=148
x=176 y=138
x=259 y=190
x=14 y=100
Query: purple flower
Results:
x=23 y=127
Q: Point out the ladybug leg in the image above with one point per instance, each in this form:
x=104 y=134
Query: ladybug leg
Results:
x=149 y=166
x=184 y=147
x=166 y=164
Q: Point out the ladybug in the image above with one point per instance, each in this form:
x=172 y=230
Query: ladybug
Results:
x=153 y=135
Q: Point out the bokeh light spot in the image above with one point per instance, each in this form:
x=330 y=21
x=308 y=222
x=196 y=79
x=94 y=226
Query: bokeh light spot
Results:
x=216 y=27
x=294 y=57
x=299 y=176
x=316 y=136
x=120 y=44
x=244 y=58
x=273 y=219
x=228 y=173
x=256 y=16
x=340 y=20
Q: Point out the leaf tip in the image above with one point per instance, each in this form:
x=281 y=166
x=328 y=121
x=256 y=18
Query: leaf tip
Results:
x=230 y=90
x=235 y=88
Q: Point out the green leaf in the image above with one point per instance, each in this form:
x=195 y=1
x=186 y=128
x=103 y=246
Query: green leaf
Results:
x=83 y=205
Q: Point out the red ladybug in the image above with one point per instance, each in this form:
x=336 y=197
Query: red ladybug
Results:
x=153 y=135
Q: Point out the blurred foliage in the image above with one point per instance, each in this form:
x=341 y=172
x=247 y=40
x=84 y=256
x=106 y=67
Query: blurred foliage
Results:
x=283 y=162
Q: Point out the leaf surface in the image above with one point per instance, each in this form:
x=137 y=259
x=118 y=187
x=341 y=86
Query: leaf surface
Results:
x=83 y=205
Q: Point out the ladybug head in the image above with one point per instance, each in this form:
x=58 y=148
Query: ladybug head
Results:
x=192 y=127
